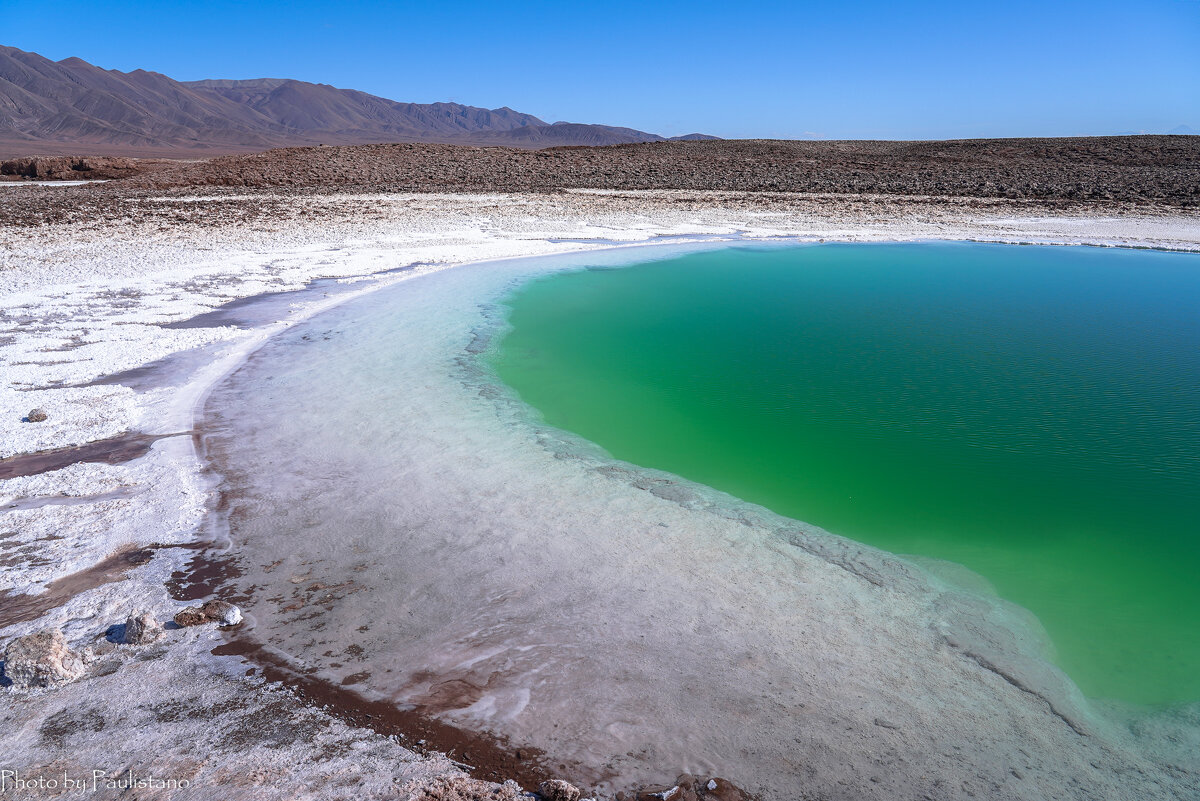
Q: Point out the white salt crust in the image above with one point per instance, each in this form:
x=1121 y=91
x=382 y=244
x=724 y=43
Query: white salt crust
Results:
x=86 y=300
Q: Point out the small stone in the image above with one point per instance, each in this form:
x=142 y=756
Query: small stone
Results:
x=41 y=660
x=688 y=786
x=884 y=723
x=37 y=416
x=141 y=629
x=191 y=616
x=222 y=612
x=718 y=789
x=558 y=790
x=657 y=792
x=682 y=790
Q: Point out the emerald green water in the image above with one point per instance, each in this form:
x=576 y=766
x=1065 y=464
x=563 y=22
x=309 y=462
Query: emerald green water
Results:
x=1032 y=413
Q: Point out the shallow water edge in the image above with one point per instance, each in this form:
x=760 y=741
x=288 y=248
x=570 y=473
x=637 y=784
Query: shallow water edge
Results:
x=1008 y=647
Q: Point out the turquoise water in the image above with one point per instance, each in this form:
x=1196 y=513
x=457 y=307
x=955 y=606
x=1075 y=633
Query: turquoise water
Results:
x=1032 y=413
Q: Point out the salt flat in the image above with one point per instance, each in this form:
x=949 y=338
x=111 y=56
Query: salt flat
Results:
x=86 y=294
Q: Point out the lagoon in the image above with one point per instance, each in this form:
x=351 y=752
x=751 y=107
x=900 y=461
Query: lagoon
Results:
x=1026 y=413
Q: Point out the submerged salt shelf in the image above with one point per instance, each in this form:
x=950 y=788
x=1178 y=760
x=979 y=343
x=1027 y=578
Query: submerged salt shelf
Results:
x=404 y=526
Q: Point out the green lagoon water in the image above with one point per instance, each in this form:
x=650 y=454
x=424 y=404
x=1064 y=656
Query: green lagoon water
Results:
x=1032 y=413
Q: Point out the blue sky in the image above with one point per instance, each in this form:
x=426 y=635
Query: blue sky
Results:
x=888 y=70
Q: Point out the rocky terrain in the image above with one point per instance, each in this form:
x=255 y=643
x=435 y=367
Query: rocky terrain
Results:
x=1161 y=170
x=76 y=168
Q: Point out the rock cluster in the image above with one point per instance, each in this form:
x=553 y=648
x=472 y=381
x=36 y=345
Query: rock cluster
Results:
x=689 y=788
x=41 y=660
x=222 y=612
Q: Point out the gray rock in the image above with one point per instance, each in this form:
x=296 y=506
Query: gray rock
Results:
x=141 y=629
x=558 y=790
x=41 y=660
x=37 y=416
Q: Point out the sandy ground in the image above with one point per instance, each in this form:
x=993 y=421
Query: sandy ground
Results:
x=83 y=299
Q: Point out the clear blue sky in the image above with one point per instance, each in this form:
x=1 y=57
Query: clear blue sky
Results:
x=760 y=68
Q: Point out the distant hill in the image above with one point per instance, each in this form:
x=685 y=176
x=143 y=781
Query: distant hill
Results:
x=565 y=133
x=1178 y=130
x=71 y=106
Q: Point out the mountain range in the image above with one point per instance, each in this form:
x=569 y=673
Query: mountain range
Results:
x=71 y=106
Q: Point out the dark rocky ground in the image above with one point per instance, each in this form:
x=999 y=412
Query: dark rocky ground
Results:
x=78 y=168
x=1110 y=175
x=1158 y=170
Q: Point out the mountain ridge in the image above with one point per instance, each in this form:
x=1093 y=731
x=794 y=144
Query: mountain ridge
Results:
x=68 y=106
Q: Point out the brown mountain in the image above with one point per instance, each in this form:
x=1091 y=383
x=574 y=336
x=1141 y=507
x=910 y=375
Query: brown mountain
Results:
x=69 y=106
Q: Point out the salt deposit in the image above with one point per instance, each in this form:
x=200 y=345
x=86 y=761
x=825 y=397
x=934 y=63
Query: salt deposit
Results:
x=84 y=301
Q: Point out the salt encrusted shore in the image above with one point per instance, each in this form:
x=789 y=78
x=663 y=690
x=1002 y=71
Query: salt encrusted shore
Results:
x=86 y=295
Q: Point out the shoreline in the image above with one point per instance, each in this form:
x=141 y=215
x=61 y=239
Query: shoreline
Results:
x=874 y=567
x=172 y=404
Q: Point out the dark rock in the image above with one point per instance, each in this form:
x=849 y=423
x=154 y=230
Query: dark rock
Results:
x=191 y=616
x=691 y=788
x=687 y=785
x=37 y=416
x=682 y=790
x=717 y=789
x=662 y=793
x=222 y=612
